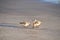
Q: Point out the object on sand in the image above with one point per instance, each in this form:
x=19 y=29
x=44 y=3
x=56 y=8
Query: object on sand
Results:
x=36 y=23
x=25 y=24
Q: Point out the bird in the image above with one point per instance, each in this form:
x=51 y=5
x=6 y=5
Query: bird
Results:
x=25 y=23
x=36 y=23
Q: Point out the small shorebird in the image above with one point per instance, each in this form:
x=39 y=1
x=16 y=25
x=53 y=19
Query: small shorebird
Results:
x=25 y=24
x=36 y=23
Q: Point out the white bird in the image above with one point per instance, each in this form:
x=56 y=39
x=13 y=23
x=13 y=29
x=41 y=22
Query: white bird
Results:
x=25 y=24
x=36 y=23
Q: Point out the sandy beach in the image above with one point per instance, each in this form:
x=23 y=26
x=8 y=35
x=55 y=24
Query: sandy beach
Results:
x=14 y=11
